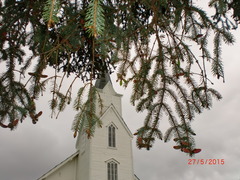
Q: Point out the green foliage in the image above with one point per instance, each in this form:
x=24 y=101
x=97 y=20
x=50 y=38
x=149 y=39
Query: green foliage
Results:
x=87 y=118
x=222 y=8
x=16 y=102
x=85 y=39
x=95 y=18
x=235 y=5
x=50 y=12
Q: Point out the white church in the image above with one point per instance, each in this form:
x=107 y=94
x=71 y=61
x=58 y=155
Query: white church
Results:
x=106 y=156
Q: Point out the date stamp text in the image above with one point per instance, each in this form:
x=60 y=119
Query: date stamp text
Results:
x=206 y=161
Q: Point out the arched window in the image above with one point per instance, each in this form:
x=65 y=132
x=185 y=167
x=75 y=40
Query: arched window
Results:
x=111 y=136
x=112 y=169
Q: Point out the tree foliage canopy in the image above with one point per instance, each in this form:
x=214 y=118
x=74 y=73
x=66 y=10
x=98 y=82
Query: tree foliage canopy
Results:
x=158 y=45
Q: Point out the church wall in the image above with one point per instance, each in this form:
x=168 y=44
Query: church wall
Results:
x=83 y=168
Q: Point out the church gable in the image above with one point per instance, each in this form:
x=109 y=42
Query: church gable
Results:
x=114 y=133
x=112 y=117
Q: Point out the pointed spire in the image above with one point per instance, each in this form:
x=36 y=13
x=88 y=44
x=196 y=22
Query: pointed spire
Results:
x=103 y=80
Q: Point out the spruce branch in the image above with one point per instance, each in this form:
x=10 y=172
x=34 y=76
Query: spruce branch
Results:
x=95 y=22
x=170 y=77
x=51 y=10
x=86 y=119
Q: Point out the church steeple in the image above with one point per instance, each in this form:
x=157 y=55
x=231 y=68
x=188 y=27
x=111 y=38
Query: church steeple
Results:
x=108 y=155
x=108 y=95
x=102 y=81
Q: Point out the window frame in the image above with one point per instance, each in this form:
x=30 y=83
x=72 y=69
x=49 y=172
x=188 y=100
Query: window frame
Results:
x=112 y=170
x=112 y=136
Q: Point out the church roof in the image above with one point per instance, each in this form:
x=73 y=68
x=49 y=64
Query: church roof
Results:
x=102 y=81
x=70 y=158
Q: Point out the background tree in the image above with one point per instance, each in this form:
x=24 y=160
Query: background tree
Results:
x=152 y=43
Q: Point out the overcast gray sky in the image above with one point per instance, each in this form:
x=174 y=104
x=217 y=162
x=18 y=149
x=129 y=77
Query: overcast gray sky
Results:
x=32 y=150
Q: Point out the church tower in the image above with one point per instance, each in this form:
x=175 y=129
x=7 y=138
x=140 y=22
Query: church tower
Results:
x=108 y=154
